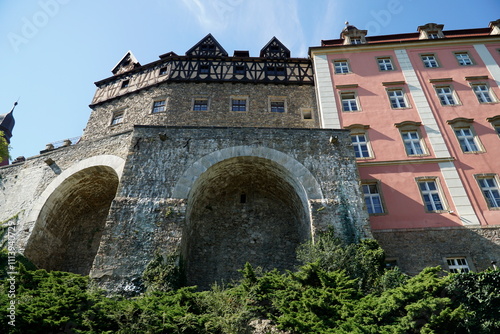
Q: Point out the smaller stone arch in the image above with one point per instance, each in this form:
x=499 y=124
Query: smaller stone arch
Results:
x=70 y=215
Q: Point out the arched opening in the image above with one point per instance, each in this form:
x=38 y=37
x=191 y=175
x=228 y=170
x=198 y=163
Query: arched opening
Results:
x=70 y=224
x=243 y=209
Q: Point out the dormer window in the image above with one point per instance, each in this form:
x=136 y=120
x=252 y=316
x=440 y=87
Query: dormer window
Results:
x=353 y=35
x=431 y=31
x=356 y=40
x=125 y=83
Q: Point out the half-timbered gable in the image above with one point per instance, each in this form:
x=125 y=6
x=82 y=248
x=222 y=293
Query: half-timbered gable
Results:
x=275 y=50
x=207 y=47
x=127 y=63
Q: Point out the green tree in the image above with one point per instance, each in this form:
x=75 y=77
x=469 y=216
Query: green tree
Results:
x=4 y=147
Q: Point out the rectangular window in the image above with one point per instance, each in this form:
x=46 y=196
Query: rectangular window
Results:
x=397 y=98
x=355 y=40
x=446 y=96
x=429 y=61
x=467 y=139
x=372 y=197
x=412 y=143
x=360 y=144
x=117 y=118
x=433 y=35
x=159 y=106
x=306 y=113
x=275 y=70
x=200 y=104
x=239 y=69
x=463 y=58
x=277 y=106
x=491 y=192
x=204 y=69
x=349 y=101
x=431 y=195
x=385 y=64
x=482 y=92
x=238 y=105
x=341 y=66
x=457 y=265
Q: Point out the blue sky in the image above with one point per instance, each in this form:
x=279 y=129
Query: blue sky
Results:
x=52 y=51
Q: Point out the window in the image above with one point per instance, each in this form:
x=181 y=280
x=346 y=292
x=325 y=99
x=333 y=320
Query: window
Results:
x=432 y=35
x=360 y=144
x=412 y=139
x=495 y=122
x=385 y=64
x=446 y=96
x=463 y=58
x=200 y=104
x=429 y=61
x=117 y=118
x=372 y=197
x=469 y=143
x=489 y=187
x=431 y=195
x=277 y=106
x=125 y=83
x=341 y=66
x=482 y=92
x=204 y=69
x=412 y=143
x=238 y=104
x=349 y=101
x=163 y=70
x=239 y=69
x=306 y=113
x=467 y=140
x=159 y=106
x=355 y=40
x=275 y=70
x=397 y=98
x=457 y=265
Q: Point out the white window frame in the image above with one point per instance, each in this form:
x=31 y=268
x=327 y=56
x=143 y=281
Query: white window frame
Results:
x=432 y=196
x=384 y=63
x=413 y=146
x=447 y=95
x=397 y=96
x=194 y=104
x=483 y=93
x=341 y=66
x=356 y=40
x=467 y=139
x=458 y=264
x=429 y=60
x=463 y=58
x=236 y=105
x=490 y=190
x=495 y=123
x=372 y=195
x=156 y=109
x=117 y=117
x=352 y=102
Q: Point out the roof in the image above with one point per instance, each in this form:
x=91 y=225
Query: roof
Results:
x=7 y=123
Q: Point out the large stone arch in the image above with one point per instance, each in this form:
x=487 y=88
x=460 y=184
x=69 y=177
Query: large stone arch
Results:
x=245 y=204
x=71 y=213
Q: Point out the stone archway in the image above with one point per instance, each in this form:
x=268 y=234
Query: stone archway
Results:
x=242 y=209
x=72 y=215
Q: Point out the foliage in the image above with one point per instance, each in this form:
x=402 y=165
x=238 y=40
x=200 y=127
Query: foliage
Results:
x=363 y=261
x=479 y=293
x=163 y=273
x=4 y=147
x=320 y=297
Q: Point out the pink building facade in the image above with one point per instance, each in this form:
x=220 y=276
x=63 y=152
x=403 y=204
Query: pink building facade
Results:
x=424 y=114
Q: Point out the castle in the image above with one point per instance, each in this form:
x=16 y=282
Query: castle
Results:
x=224 y=159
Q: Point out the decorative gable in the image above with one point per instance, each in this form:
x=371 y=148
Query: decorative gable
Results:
x=275 y=50
x=495 y=27
x=352 y=35
x=127 y=63
x=431 y=31
x=208 y=46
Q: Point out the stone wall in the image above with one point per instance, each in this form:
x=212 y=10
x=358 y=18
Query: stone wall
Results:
x=181 y=191
x=415 y=249
x=137 y=107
